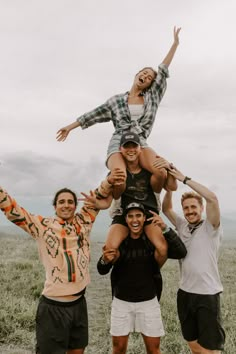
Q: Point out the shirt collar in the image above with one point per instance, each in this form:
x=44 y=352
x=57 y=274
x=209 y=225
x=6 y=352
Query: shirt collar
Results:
x=193 y=227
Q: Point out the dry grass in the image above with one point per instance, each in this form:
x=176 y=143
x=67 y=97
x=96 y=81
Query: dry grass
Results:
x=21 y=279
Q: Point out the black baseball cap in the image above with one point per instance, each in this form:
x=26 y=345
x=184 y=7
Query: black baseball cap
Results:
x=129 y=137
x=134 y=205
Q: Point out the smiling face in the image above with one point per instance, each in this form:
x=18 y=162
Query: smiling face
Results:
x=65 y=206
x=192 y=210
x=130 y=151
x=135 y=219
x=144 y=78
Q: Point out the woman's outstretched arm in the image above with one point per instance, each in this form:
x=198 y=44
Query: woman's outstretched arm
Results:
x=170 y=55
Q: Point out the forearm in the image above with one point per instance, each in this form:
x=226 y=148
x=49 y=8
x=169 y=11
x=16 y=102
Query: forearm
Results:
x=170 y=55
x=167 y=202
x=171 y=183
x=103 y=203
x=18 y=215
x=104 y=190
x=167 y=208
x=202 y=190
x=73 y=125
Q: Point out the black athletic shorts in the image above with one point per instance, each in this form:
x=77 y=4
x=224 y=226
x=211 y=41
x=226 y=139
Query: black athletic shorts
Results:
x=120 y=219
x=61 y=326
x=200 y=319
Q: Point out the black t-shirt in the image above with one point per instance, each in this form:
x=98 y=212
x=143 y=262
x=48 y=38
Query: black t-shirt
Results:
x=133 y=274
x=138 y=188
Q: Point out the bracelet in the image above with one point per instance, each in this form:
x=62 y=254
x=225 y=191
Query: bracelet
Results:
x=186 y=179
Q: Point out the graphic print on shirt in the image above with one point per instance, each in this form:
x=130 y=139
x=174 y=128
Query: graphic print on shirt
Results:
x=138 y=190
x=52 y=242
x=55 y=275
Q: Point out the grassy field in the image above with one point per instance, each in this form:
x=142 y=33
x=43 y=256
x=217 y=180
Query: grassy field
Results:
x=21 y=280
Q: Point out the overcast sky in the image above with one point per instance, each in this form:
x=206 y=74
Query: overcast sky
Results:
x=61 y=58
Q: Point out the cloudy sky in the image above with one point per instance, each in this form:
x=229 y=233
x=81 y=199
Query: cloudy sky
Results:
x=61 y=58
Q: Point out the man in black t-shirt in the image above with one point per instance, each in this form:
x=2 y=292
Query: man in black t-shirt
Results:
x=136 y=281
x=141 y=186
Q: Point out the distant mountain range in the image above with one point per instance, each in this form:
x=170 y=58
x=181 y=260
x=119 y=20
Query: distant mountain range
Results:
x=103 y=222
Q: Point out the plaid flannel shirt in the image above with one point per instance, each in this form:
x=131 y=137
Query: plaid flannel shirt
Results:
x=116 y=109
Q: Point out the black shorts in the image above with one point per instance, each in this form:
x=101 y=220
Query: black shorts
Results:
x=200 y=319
x=120 y=219
x=61 y=326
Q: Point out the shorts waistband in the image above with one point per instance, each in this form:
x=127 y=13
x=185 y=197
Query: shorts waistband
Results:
x=61 y=303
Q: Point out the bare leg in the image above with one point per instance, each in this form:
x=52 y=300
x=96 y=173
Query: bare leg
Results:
x=146 y=159
x=119 y=344
x=114 y=161
x=152 y=344
x=156 y=237
x=116 y=234
x=75 y=351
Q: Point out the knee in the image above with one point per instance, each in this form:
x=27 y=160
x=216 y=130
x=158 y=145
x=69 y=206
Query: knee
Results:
x=119 y=349
x=153 y=349
x=119 y=346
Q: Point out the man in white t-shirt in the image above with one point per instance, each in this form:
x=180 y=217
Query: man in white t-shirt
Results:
x=198 y=299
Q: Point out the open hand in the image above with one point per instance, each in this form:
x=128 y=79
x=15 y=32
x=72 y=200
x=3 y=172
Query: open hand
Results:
x=176 y=34
x=62 y=134
x=157 y=220
x=89 y=200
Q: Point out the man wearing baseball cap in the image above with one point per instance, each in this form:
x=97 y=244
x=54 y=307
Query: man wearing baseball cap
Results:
x=141 y=186
x=136 y=281
x=129 y=137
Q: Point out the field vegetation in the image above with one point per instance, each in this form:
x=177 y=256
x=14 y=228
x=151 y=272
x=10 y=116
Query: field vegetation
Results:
x=21 y=282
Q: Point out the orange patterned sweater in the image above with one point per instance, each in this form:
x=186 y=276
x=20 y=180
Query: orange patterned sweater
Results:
x=64 y=248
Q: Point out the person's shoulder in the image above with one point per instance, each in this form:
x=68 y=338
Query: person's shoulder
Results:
x=117 y=96
x=124 y=243
x=208 y=225
x=180 y=221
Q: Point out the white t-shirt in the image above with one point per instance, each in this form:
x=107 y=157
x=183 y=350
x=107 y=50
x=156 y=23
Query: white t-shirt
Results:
x=199 y=269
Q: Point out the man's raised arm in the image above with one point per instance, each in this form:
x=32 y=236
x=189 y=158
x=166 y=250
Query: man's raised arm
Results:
x=167 y=208
x=212 y=205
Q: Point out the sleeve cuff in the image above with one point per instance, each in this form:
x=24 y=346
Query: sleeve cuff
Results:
x=164 y=69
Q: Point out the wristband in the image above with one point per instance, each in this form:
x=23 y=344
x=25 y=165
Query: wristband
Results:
x=186 y=179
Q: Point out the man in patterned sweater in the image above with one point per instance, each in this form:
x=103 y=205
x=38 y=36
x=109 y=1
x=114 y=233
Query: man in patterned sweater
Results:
x=64 y=249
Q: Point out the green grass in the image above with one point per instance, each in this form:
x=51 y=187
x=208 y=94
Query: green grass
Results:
x=21 y=281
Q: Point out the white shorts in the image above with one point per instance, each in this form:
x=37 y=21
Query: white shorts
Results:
x=143 y=317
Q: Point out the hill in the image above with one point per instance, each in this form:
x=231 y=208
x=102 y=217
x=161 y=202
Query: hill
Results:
x=103 y=222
